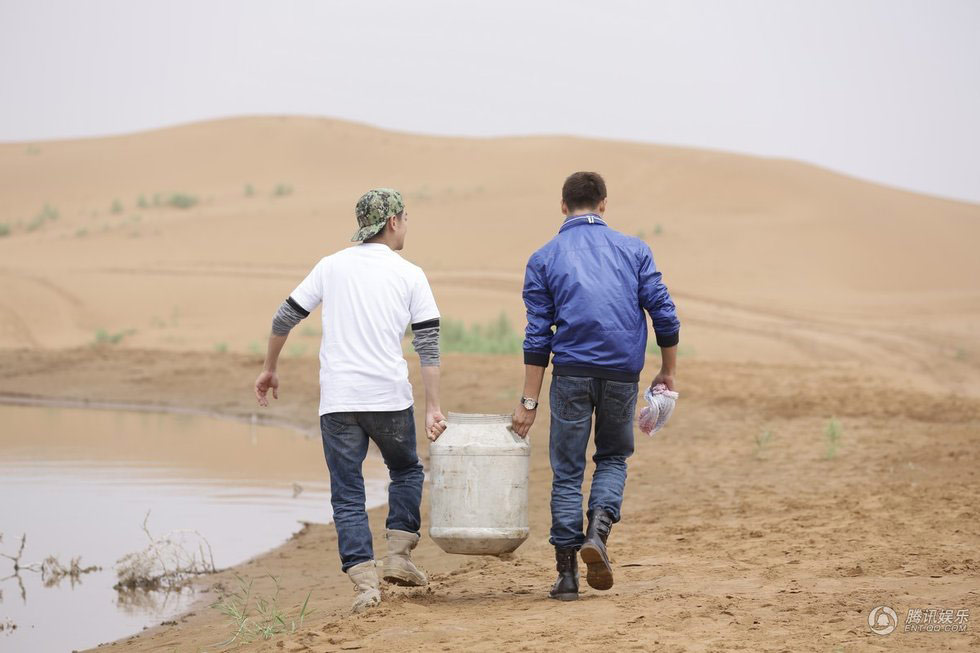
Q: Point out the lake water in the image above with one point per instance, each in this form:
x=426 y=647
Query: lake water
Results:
x=80 y=482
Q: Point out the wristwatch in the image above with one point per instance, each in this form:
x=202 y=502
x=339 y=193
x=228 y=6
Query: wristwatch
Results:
x=528 y=403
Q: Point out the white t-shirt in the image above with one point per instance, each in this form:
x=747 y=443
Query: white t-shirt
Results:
x=370 y=296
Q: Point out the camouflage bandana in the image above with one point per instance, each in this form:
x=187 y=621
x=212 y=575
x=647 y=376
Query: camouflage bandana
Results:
x=373 y=210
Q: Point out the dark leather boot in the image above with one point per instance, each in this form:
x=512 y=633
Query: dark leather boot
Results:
x=593 y=552
x=566 y=587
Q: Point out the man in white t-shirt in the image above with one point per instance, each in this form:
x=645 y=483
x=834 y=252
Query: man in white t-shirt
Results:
x=370 y=295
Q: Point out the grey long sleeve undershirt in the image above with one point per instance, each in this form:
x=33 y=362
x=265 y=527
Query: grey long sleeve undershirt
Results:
x=289 y=315
x=425 y=337
x=426 y=344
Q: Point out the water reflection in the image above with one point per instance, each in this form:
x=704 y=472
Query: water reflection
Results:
x=80 y=483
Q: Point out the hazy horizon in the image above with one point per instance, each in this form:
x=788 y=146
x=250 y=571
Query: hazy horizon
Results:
x=883 y=91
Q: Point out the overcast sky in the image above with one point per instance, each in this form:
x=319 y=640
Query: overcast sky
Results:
x=887 y=90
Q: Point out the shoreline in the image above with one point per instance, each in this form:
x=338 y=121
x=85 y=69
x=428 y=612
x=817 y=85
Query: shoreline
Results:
x=200 y=585
x=722 y=540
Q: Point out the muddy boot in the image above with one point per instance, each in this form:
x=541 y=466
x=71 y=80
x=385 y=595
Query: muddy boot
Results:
x=593 y=552
x=365 y=579
x=566 y=587
x=399 y=568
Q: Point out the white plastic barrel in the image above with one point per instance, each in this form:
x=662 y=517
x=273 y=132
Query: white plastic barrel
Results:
x=479 y=471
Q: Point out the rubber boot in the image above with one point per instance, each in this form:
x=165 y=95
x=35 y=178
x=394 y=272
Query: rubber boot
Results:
x=599 y=575
x=566 y=587
x=365 y=579
x=399 y=568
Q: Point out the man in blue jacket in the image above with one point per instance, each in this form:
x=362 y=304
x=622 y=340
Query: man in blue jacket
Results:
x=585 y=293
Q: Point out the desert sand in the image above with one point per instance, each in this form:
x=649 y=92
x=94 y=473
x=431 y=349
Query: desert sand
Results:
x=804 y=295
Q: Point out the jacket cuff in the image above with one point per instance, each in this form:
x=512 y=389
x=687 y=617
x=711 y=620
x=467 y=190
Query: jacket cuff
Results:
x=668 y=339
x=538 y=358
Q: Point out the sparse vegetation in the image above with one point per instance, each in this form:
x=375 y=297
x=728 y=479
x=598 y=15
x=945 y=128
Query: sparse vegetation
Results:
x=142 y=203
x=4 y=229
x=249 y=190
x=683 y=350
x=221 y=347
x=281 y=190
x=116 y=207
x=181 y=200
x=81 y=233
x=51 y=570
x=168 y=562
x=762 y=441
x=256 y=617
x=255 y=348
x=45 y=215
x=496 y=337
x=832 y=434
x=104 y=337
x=657 y=230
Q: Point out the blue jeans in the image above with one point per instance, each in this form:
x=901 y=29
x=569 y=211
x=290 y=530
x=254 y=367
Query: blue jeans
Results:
x=345 y=445
x=574 y=399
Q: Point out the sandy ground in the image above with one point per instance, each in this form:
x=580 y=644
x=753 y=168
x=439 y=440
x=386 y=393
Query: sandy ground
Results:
x=805 y=296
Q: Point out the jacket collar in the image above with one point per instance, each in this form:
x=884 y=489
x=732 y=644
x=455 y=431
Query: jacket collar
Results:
x=576 y=220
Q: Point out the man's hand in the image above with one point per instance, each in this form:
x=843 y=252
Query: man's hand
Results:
x=522 y=420
x=265 y=381
x=435 y=424
x=664 y=377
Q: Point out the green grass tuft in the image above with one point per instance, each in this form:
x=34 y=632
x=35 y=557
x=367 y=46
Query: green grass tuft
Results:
x=255 y=617
x=249 y=190
x=496 y=337
x=832 y=433
x=116 y=207
x=182 y=200
x=4 y=229
x=46 y=214
x=281 y=190
x=762 y=441
x=104 y=337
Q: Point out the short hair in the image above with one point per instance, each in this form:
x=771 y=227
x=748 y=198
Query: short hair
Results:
x=583 y=190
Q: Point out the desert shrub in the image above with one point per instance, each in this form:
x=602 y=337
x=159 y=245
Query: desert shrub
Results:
x=181 y=200
x=46 y=214
x=167 y=562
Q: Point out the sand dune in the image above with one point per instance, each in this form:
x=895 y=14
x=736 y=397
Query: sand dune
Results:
x=809 y=293
x=756 y=250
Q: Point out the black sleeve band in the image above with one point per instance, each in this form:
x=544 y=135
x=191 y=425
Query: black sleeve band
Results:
x=668 y=339
x=428 y=324
x=540 y=359
x=296 y=307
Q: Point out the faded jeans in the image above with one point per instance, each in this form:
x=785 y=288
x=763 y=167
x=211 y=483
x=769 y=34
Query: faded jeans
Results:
x=574 y=399
x=345 y=446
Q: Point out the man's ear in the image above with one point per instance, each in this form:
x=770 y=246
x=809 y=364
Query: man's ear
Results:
x=602 y=206
x=564 y=207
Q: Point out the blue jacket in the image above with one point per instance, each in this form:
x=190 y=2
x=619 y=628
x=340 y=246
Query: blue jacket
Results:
x=592 y=284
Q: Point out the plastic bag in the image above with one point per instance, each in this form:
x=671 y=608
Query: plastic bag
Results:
x=660 y=406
